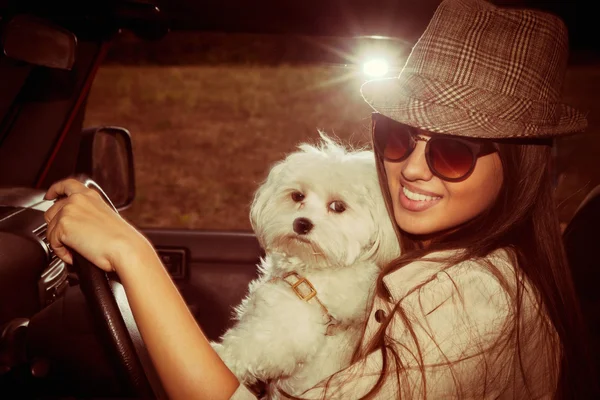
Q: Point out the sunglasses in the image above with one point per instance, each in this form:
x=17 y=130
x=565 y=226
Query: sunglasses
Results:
x=449 y=158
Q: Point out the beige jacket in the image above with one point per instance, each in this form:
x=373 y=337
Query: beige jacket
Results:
x=461 y=317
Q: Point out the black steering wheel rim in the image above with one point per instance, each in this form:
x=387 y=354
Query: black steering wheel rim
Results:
x=96 y=288
x=108 y=303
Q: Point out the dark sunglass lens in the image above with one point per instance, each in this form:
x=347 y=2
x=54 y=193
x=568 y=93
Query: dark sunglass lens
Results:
x=393 y=140
x=450 y=158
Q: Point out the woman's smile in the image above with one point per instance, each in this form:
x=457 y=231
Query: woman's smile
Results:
x=416 y=200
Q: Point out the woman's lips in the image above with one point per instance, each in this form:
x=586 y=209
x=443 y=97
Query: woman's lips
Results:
x=418 y=191
x=416 y=205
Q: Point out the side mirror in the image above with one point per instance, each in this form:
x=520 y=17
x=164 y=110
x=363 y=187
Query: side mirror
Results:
x=39 y=42
x=106 y=156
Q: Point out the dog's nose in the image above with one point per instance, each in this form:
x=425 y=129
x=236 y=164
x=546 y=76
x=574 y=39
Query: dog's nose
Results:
x=302 y=226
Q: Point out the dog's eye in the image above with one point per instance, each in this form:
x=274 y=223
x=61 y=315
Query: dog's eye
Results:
x=337 y=206
x=297 y=197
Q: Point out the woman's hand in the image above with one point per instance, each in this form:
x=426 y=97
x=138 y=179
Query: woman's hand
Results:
x=82 y=221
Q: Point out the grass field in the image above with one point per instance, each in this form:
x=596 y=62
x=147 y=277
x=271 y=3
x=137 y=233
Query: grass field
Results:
x=205 y=135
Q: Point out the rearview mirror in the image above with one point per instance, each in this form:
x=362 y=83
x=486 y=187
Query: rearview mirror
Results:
x=39 y=42
x=106 y=156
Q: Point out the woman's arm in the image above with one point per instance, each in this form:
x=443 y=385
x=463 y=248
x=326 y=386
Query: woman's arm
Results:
x=188 y=366
x=186 y=363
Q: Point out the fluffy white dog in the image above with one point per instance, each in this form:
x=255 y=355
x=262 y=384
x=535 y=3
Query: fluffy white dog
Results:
x=322 y=221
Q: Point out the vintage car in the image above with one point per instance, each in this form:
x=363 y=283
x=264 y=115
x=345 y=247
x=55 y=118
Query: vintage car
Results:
x=67 y=331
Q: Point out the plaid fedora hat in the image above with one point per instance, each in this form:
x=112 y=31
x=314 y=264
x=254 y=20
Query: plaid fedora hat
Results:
x=483 y=71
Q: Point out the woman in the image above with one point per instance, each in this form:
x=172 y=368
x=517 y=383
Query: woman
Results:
x=481 y=303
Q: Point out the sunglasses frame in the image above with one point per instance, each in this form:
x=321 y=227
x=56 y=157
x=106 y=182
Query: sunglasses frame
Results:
x=477 y=148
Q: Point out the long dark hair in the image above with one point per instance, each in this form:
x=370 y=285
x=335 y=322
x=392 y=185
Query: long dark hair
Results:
x=523 y=220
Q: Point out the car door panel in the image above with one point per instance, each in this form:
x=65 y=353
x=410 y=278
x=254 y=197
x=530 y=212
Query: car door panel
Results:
x=211 y=269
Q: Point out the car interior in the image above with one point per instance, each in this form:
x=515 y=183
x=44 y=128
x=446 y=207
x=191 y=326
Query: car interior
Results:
x=67 y=331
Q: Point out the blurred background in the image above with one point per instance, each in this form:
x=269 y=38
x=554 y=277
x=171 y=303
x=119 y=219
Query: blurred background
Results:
x=209 y=112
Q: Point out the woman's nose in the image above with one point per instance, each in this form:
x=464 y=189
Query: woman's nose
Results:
x=415 y=166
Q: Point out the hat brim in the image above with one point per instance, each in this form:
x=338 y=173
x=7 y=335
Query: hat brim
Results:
x=386 y=96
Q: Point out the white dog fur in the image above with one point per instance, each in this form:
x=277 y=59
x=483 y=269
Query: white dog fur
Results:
x=277 y=336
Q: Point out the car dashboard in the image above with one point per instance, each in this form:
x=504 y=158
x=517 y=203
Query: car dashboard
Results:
x=31 y=276
x=49 y=344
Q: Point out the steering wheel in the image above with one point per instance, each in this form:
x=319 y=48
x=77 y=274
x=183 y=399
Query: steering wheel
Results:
x=108 y=303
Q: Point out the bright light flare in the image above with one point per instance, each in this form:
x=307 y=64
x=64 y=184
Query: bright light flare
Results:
x=376 y=67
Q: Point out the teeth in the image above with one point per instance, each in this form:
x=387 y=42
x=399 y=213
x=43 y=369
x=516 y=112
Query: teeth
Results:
x=417 y=196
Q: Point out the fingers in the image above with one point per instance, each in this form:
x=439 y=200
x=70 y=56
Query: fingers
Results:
x=61 y=204
x=63 y=190
x=54 y=209
x=56 y=237
x=66 y=187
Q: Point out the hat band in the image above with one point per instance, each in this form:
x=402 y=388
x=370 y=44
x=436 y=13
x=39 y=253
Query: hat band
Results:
x=473 y=99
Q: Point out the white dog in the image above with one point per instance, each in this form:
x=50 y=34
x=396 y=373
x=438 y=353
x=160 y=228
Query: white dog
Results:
x=322 y=221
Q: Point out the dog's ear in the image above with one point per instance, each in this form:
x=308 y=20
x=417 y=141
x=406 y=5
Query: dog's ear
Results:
x=386 y=246
x=386 y=243
x=263 y=197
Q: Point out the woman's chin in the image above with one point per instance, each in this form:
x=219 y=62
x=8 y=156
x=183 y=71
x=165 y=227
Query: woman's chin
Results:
x=418 y=231
x=420 y=225
x=426 y=231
